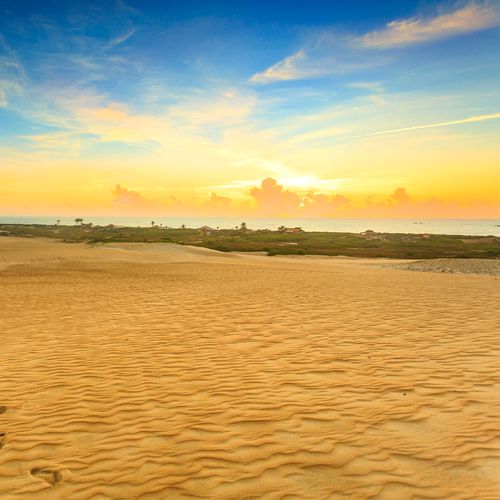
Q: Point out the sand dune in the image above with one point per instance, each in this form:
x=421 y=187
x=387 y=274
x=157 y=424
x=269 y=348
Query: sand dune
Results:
x=158 y=371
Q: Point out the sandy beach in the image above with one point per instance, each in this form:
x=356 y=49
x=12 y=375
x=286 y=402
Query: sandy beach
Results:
x=160 y=371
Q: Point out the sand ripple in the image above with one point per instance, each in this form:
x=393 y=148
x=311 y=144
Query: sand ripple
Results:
x=249 y=379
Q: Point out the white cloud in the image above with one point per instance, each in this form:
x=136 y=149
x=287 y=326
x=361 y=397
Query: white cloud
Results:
x=289 y=68
x=329 y=54
x=472 y=17
x=325 y=55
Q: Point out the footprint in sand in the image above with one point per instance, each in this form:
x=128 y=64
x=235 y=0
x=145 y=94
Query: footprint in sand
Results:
x=51 y=476
x=2 y=439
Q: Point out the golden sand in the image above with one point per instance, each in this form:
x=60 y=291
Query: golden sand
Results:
x=169 y=372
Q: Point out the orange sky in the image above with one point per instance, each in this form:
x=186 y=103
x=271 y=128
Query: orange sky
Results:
x=394 y=118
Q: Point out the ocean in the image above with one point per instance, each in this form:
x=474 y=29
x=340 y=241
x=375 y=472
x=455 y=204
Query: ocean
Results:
x=470 y=227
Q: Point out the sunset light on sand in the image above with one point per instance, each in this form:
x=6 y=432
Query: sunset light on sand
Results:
x=249 y=249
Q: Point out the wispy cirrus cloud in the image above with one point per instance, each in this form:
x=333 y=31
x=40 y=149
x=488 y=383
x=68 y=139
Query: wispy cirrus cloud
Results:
x=120 y=38
x=290 y=68
x=472 y=17
x=470 y=119
x=328 y=53
x=12 y=73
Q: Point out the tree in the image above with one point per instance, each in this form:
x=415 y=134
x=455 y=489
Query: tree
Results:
x=58 y=221
x=78 y=221
x=281 y=229
x=243 y=226
x=153 y=223
x=183 y=226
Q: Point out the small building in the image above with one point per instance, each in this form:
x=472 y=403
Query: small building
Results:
x=206 y=230
x=371 y=235
x=293 y=230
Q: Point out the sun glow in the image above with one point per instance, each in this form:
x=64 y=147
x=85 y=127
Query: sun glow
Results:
x=193 y=134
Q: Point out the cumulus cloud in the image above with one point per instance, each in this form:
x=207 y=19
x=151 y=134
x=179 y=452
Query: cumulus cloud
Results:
x=124 y=196
x=472 y=17
x=400 y=195
x=271 y=198
x=219 y=205
x=129 y=201
x=323 y=205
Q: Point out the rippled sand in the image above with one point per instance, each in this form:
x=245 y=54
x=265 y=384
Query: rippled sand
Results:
x=167 y=372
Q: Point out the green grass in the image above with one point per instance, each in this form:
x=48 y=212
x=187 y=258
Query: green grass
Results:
x=276 y=243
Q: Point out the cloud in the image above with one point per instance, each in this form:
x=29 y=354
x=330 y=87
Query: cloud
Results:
x=290 y=68
x=120 y=38
x=271 y=198
x=220 y=205
x=220 y=108
x=323 y=205
x=124 y=196
x=329 y=54
x=400 y=195
x=472 y=17
x=324 y=55
x=12 y=73
x=471 y=119
x=132 y=202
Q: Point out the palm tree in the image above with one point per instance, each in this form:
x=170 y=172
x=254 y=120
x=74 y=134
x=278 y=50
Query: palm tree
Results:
x=243 y=226
x=281 y=229
x=153 y=223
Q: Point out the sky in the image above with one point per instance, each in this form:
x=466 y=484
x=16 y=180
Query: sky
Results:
x=257 y=108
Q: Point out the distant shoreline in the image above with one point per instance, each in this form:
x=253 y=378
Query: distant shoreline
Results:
x=467 y=227
x=285 y=241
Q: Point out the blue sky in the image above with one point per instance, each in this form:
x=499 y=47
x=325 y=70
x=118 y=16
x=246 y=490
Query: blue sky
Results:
x=256 y=88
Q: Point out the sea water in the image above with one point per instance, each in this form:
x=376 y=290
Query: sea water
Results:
x=470 y=227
